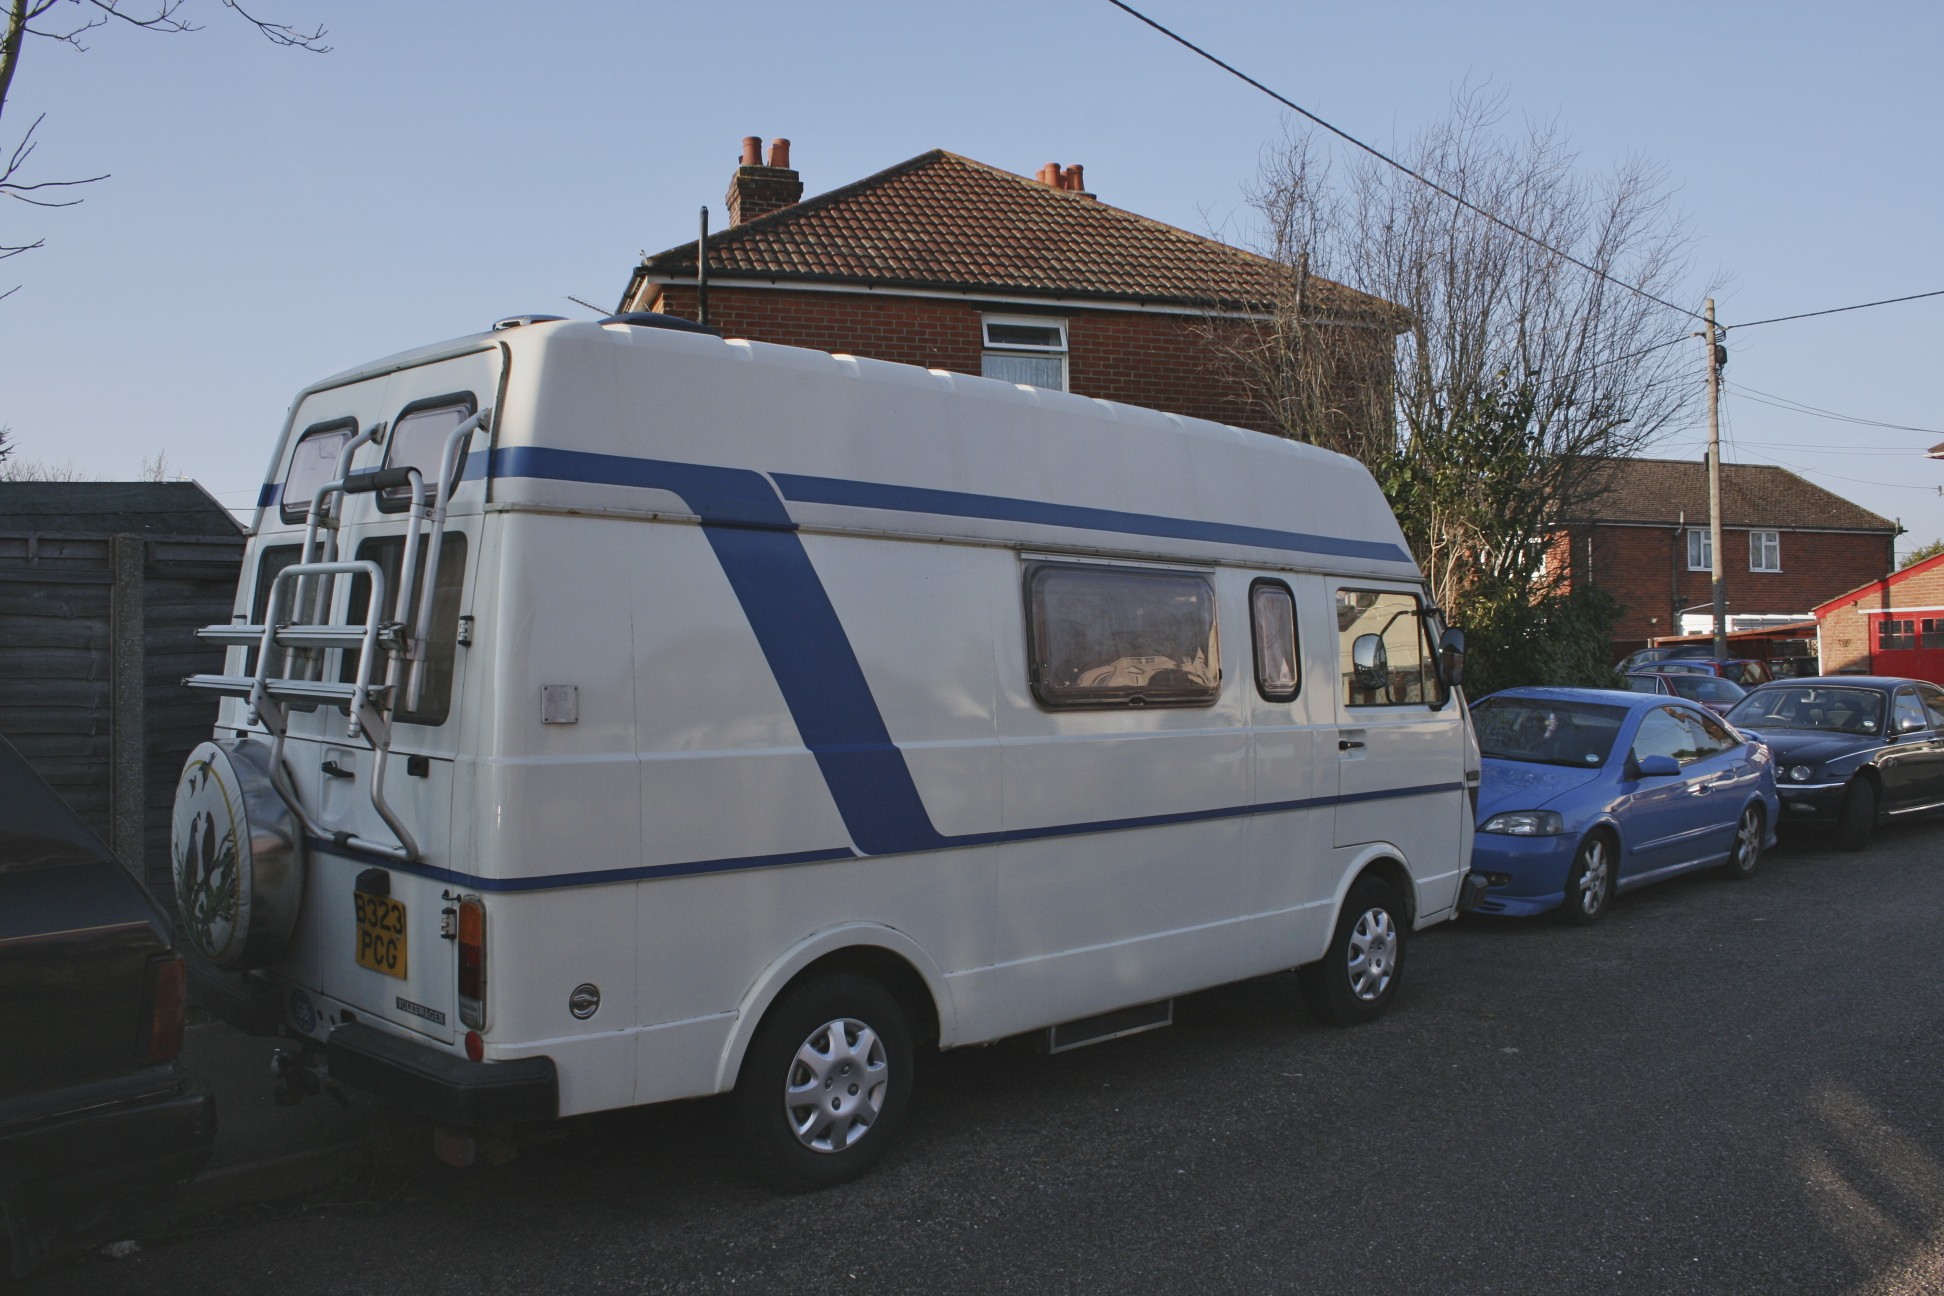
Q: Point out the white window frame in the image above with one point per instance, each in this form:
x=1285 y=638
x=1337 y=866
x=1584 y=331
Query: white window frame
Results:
x=1700 y=545
x=1059 y=349
x=1765 y=545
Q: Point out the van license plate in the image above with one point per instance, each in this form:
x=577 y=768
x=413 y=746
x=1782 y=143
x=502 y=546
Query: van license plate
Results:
x=381 y=934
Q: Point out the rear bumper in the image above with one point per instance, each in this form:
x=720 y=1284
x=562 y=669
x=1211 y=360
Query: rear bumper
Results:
x=439 y=1086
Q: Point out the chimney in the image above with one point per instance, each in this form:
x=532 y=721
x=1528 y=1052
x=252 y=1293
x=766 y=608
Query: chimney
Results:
x=756 y=190
x=1068 y=178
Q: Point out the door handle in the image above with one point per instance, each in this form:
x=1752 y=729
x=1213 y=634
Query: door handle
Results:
x=336 y=770
x=1349 y=744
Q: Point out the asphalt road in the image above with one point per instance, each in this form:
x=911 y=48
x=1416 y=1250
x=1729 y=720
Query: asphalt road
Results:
x=1721 y=1088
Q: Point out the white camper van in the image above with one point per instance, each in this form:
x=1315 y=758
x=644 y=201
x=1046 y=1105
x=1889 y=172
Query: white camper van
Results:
x=616 y=713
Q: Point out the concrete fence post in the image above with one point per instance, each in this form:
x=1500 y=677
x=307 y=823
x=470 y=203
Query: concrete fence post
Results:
x=128 y=729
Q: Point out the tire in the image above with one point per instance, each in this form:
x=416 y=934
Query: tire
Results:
x=1857 y=819
x=1356 y=979
x=1745 y=856
x=1589 y=883
x=825 y=1084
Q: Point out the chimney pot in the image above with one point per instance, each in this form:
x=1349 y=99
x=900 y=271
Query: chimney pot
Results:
x=1050 y=174
x=757 y=190
x=1075 y=181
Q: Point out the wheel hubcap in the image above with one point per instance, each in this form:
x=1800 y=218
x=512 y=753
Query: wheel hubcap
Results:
x=836 y=1085
x=1593 y=878
x=1373 y=954
x=1749 y=840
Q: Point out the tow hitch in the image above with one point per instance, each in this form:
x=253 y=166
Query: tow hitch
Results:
x=301 y=1074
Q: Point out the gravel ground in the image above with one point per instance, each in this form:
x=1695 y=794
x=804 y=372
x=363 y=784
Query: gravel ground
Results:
x=1721 y=1088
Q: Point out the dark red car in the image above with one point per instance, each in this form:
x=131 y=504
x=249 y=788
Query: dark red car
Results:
x=1711 y=691
x=96 y=1115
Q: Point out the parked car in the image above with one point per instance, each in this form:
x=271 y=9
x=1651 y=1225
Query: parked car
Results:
x=1641 y=659
x=1850 y=749
x=1711 y=691
x=96 y=1115
x=1745 y=671
x=1587 y=792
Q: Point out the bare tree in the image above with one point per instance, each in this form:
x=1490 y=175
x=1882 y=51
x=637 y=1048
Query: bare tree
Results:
x=1516 y=370
x=69 y=22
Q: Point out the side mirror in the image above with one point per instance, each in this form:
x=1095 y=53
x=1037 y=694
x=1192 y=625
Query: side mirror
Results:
x=1370 y=662
x=1451 y=655
x=1658 y=766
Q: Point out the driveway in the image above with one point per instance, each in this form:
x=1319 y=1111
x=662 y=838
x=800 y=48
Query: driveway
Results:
x=1720 y=1088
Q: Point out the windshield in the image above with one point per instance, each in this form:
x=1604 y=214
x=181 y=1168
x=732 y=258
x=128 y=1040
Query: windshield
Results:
x=1543 y=731
x=1815 y=707
x=1706 y=688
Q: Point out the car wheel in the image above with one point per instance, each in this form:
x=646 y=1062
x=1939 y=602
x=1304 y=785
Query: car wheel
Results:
x=1746 y=853
x=1858 y=817
x=825 y=1083
x=1589 y=883
x=1356 y=978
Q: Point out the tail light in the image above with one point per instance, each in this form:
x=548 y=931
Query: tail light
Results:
x=472 y=962
x=168 y=1002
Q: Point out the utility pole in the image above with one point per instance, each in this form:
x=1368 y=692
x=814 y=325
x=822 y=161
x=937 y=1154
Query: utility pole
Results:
x=1714 y=486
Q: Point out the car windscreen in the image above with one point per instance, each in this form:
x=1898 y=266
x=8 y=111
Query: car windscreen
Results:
x=1706 y=688
x=1816 y=707
x=1547 y=731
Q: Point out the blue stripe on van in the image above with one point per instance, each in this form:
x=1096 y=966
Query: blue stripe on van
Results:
x=919 y=499
x=790 y=612
x=811 y=657
x=270 y=494
x=600 y=877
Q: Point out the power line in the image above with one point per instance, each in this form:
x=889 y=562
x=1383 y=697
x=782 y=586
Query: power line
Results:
x=1393 y=162
x=1833 y=310
x=1860 y=481
x=1797 y=407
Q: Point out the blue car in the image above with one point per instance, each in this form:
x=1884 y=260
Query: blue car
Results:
x=1586 y=792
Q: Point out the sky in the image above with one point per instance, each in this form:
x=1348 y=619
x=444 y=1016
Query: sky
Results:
x=273 y=216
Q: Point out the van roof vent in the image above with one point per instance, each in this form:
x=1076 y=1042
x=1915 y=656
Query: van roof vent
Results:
x=514 y=321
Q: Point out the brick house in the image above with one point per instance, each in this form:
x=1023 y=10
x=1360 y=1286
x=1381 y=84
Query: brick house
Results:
x=1890 y=626
x=1788 y=544
x=948 y=263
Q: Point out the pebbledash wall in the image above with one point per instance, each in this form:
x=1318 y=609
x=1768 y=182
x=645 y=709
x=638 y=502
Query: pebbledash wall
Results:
x=1160 y=360
x=1849 y=627
x=1644 y=567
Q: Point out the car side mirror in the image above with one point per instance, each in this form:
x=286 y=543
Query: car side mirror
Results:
x=1451 y=655
x=1657 y=766
x=1909 y=724
x=1370 y=662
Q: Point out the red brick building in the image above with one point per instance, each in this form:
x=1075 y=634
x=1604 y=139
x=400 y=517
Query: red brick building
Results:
x=1890 y=626
x=1788 y=545
x=948 y=263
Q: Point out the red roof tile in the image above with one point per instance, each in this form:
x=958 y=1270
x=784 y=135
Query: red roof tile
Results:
x=947 y=222
x=1666 y=490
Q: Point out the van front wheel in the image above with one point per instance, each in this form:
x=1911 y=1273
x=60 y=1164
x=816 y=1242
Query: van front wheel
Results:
x=1356 y=978
x=825 y=1083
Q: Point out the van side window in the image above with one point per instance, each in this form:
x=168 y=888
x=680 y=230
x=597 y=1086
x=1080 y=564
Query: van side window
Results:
x=435 y=694
x=1272 y=614
x=1121 y=636
x=417 y=440
x=314 y=462
x=1382 y=650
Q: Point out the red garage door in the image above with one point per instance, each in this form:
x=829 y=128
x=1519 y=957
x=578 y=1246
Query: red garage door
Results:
x=1909 y=644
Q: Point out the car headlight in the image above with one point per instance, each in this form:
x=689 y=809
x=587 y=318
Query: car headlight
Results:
x=1799 y=773
x=1525 y=823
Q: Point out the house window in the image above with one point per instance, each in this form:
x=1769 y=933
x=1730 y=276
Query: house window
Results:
x=1933 y=633
x=1700 y=550
x=1765 y=551
x=1025 y=350
x=1893 y=634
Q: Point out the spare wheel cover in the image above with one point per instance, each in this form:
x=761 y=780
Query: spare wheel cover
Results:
x=237 y=856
